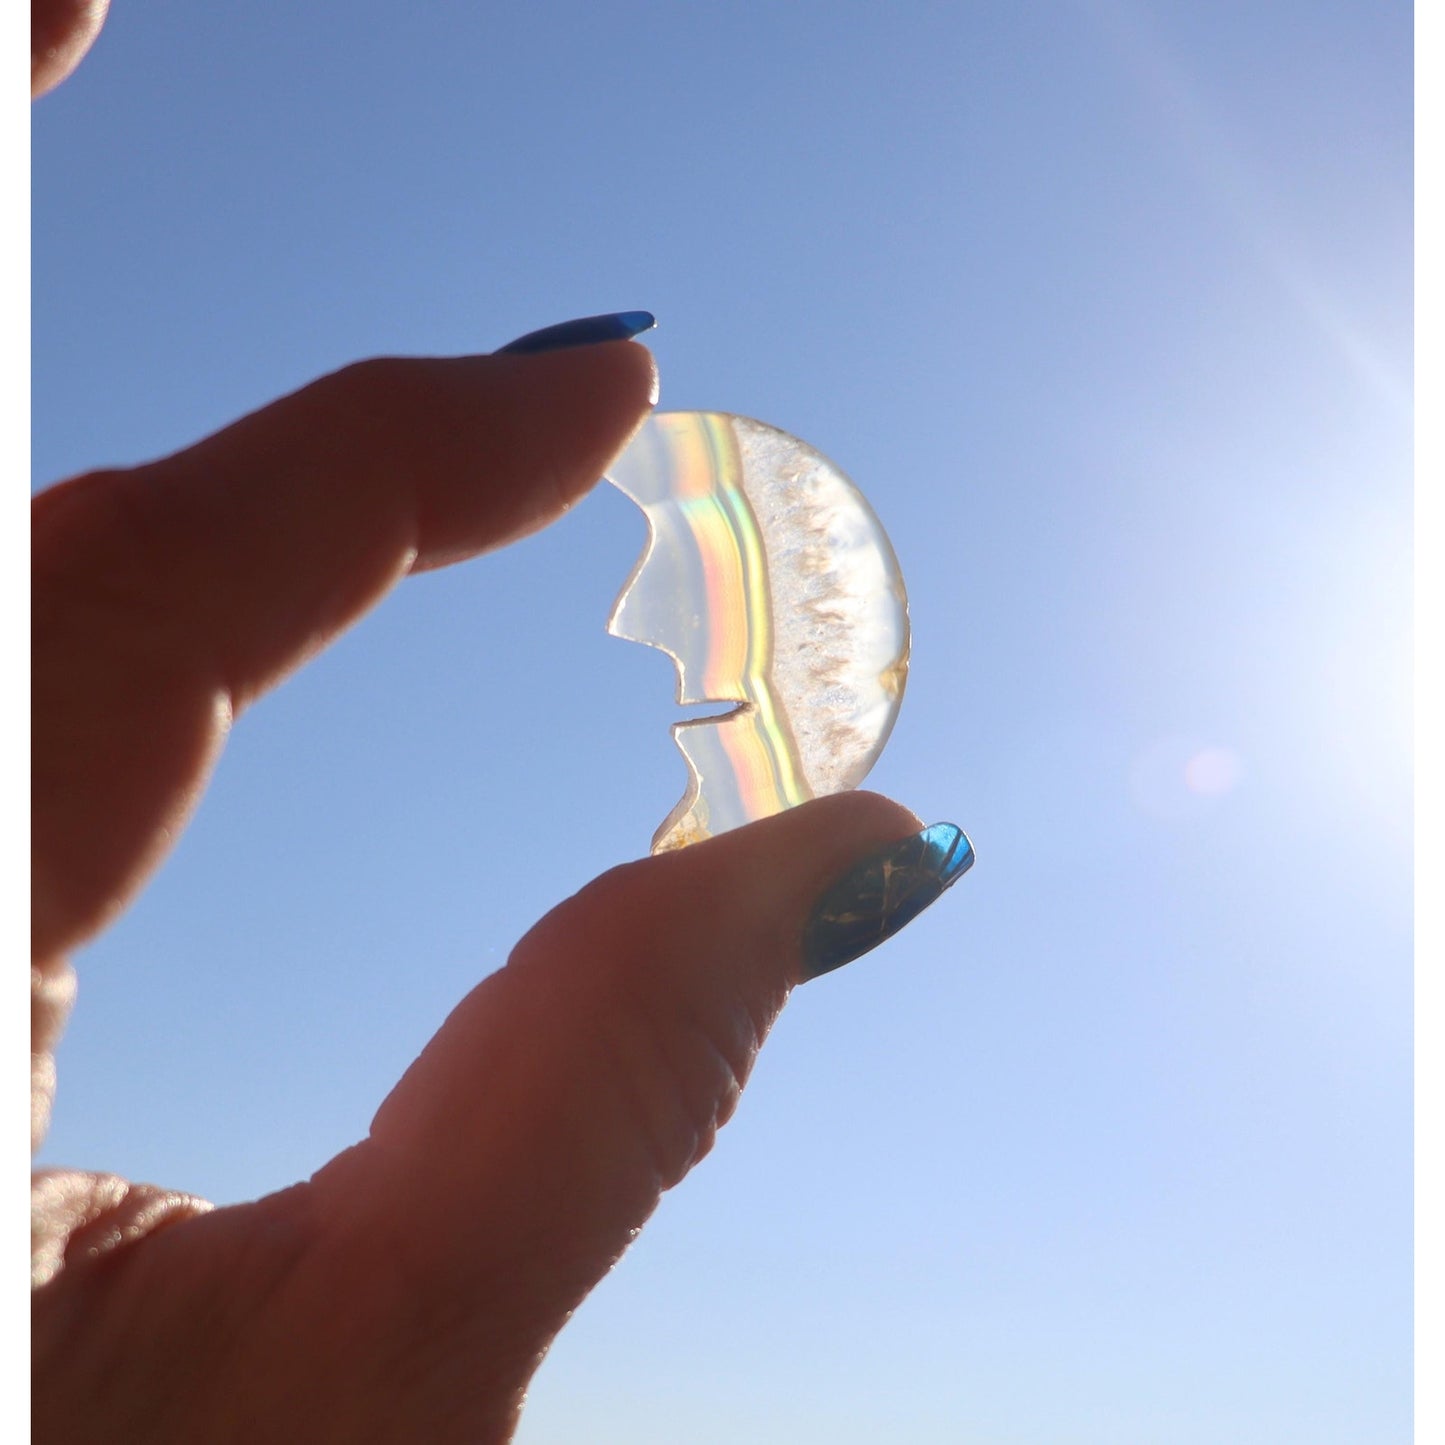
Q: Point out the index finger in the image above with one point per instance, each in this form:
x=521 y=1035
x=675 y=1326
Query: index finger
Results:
x=166 y=596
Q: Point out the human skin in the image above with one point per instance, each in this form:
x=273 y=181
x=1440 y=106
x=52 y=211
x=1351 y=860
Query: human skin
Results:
x=61 y=31
x=408 y=1289
x=413 y=1283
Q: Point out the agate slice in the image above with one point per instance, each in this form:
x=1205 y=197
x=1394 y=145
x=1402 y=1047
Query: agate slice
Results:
x=772 y=585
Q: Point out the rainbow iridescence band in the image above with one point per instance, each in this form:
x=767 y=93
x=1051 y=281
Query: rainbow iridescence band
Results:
x=771 y=583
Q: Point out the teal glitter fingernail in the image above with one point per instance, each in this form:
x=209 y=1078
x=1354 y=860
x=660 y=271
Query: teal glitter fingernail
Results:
x=874 y=899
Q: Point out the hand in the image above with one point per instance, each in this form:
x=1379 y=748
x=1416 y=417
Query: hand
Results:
x=408 y=1290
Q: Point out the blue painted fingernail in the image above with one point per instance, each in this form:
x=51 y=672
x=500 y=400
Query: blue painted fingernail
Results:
x=588 y=330
x=876 y=897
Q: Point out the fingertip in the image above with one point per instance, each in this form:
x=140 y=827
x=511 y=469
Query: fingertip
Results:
x=810 y=844
x=618 y=379
x=61 y=32
x=734 y=908
x=857 y=814
x=555 y=421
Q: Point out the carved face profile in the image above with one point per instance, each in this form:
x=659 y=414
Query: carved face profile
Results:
x=771 y=583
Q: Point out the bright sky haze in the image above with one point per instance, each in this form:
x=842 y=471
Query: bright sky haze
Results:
x=1106 y=306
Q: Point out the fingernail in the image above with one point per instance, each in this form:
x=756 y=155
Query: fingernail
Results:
x=876 y=897
x=586 y=331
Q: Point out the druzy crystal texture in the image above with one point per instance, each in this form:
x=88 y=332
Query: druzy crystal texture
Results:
x=772 y=585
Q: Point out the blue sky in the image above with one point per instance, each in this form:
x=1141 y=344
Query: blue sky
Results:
x=1106 y=306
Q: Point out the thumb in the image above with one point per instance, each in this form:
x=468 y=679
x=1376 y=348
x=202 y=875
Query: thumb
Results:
x=520 y=1154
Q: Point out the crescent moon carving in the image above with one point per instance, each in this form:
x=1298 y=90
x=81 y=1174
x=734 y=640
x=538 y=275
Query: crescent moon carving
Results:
x=770 y=582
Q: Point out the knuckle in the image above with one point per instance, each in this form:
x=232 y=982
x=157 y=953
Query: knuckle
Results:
x=674 y=1084
x=676 y=1036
